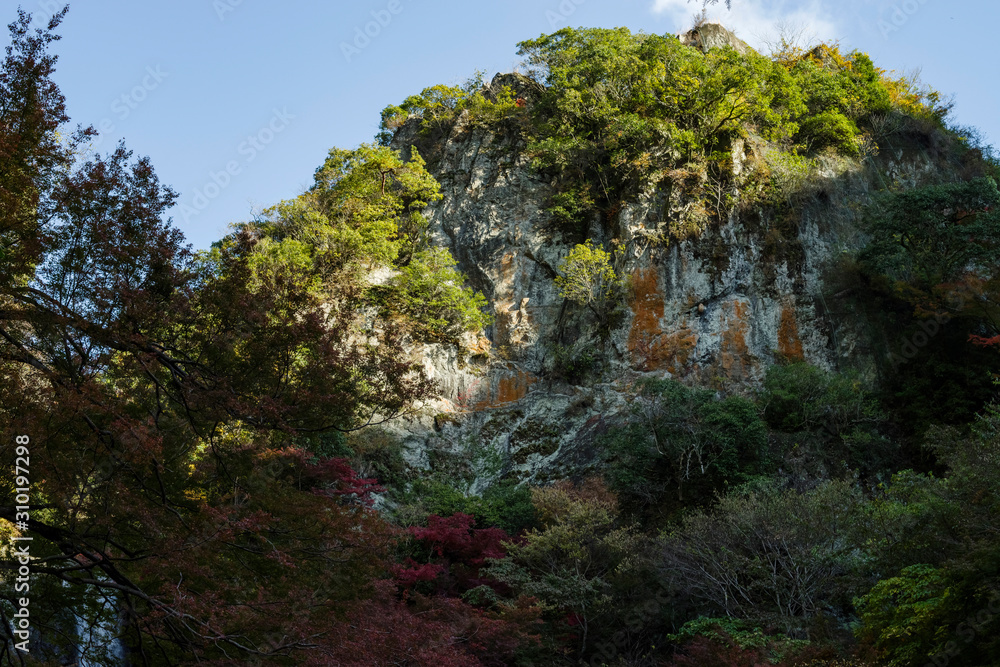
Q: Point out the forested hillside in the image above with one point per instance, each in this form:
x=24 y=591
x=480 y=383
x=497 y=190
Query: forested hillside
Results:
x=659 y=351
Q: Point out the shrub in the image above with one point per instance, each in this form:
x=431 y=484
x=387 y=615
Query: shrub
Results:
x=571 y=211
x=684 y=443
x=575 y=363
x=504 y=505
x=436 y=106
x=429 y=291
x=729 y=642
x=771 y=556
x=829 y=129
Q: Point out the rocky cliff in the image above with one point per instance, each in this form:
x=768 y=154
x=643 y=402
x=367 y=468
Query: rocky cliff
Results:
x=714 y=309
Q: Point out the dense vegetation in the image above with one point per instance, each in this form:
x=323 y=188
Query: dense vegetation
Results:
x=205 y=437
x=623 y=113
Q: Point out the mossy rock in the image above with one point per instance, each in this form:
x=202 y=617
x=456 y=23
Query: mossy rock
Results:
x=443 y=419
x=500 y=422
x=533 y=436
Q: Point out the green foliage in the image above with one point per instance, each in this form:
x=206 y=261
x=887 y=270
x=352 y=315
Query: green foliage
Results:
x=830 y=129
x=788 y=176
x=571 y=210
x=364 y=209
x=834 y=419
x=684 y=444
x=620 y=111
x=438 y=107
x=932 y=257
x=746 y=636
x=623 y=113
x=496 y=110
x=503 y=505
x=586 y=276
x=576 y=560
x=375 y=453
x=723 y=628
x=847 y=85
x=948 y=380
x=947 y=606
x=363 y=212
x=448 y=488
x=575 y=363
x=429 y=292
x=772 y=556
x=800 y=396
x=902 y=616
x=588 y=279
x=935 y=234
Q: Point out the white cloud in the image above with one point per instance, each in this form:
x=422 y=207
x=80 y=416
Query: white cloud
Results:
x=759 y=22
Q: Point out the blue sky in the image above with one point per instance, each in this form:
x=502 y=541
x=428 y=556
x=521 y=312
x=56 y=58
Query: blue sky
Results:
x=238 y=101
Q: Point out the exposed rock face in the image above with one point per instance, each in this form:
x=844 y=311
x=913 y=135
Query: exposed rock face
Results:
x=723 y=304
x=716 y=309
x=710 y=35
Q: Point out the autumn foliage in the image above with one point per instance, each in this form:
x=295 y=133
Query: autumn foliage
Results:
x=169 y=398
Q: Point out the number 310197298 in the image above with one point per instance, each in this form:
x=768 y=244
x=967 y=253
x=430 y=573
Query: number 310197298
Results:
x=22 y=456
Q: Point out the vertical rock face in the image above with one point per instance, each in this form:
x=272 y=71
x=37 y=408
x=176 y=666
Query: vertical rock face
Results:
x=715 y=309
x=723 y=304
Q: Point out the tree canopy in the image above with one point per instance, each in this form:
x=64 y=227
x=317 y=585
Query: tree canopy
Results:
x=170 y=399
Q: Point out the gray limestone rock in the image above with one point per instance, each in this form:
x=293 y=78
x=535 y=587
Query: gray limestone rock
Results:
x=715 y=309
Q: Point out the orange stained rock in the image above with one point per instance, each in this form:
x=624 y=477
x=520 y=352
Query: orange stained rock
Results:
x=647 y=304
x=789 y=343
x=509 y=389
x=734 y=351
x=673 y=350
x=650 y=347
x=508 y=265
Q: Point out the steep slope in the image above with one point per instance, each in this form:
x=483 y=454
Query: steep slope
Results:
x=714 y=308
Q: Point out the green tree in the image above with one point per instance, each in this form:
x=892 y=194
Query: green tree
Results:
x=163 y=398
x=932 y=259
x=935 y=234
x=574 y=562
x=364 y=210
x=364 y=213
x=430 y=293
x=686 y=443
x=832 y=420
x=940 y=596
x=904 y=617
x=588 y=279
x=623 y=112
